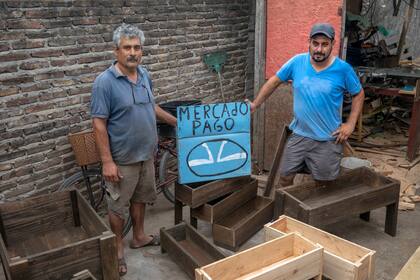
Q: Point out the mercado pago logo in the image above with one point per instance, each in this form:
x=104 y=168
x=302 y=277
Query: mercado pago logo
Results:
x=213 y=141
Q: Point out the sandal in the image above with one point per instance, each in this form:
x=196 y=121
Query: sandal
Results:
x=154 y=242
x=122 y=265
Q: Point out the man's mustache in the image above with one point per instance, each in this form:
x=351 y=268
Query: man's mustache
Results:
x=319 y=53
x=132 y=58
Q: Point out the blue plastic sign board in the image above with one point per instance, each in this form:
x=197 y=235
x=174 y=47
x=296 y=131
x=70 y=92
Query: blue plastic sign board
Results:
x=213 y=141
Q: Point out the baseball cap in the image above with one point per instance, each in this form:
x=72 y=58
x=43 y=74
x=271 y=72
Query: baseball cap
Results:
x=324 y=29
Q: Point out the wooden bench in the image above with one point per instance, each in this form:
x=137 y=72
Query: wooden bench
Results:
x=356 y=192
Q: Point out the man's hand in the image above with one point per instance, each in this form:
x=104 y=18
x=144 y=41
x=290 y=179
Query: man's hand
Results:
x=252 y=105
x=343 y=132
x=111 y=172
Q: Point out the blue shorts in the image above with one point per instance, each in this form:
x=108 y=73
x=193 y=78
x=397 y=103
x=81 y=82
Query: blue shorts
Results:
x=305 y=155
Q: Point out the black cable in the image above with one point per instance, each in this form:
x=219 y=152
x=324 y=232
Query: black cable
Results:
x=408 y=3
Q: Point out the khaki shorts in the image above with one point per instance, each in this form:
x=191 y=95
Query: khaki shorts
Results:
x=136 y=185
x=305 y=155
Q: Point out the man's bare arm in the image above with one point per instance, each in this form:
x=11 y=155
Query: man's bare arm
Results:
x=266 y=90
x=347 y=128
x=165 y=116
x=109 y=168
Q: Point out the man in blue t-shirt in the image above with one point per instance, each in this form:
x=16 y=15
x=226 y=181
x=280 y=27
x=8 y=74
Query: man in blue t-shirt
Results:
x=124 y=121
x=319 y=82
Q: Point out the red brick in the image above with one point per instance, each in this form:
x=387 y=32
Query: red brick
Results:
x=85 y=21
x=76 y=50
x=33 y=65
x=8 y=69
x=49 y=75
x=17 y=80
x=28 y=44
x=13 y=57
x=19 y=101
x=4 y=47
x=46 y=53
x=38 y=108
x=6 y=91
x=40 y=13
x=24 y=24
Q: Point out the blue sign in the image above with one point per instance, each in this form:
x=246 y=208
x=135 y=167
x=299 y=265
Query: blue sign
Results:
x=213 y=141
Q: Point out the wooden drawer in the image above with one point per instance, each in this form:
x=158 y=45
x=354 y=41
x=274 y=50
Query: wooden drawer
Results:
x=217 y=209
x=290 y=257
x=197 y=194
x=188 y=248
x=54 y=236
x=343 y=260
x=238 y=226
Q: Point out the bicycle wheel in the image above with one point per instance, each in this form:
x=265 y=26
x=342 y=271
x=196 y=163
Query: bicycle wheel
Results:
x=168 y=174
x=96 y=196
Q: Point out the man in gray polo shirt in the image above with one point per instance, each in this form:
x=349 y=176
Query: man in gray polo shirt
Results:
x=124 y=121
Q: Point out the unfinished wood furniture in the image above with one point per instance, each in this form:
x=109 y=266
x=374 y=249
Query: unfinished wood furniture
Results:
x=355 y=192
x=291 y=257
x=188 y=248
x=217 y=209
x=343 y=260
x=197 y=194
x=411 y=269
x=54 y=236
x=236 y=227
x=83 y=275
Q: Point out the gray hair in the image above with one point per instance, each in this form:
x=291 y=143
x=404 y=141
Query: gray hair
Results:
x=128 y=31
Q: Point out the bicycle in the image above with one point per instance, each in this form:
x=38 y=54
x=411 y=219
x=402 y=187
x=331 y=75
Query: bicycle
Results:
x=91 y=184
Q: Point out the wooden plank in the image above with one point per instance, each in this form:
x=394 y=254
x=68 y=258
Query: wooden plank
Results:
x=109 y=260
x=276 y=163
x=198 y=196
x=212 y=212
x=257 y=262
x=414 y=130
x=35 y=215
x=84 y=275
x=5 y=260
x=411 y=269
x=343 y=260
x=19 y=269
x=89 y=219
x=75 y=208
x=236 y=227
x=259 y=79
x=188 y=248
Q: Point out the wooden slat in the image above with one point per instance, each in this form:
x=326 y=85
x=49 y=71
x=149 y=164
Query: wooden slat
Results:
x=75 y=208
x=259 y=79
x=259 y=260
x=109 y=260
x=36 y=215
x=5 y=259
x=198 y=196
x=411 y=269
x=238 y=226
x=212 y=213
x=89 y=219
x=188 y=248
x=276 y=163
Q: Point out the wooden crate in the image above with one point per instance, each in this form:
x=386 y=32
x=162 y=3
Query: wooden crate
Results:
x=290 y=257
x=218 y=208
x=235 y=228
x=188 y=248
x=343 y=260
x=356 y=192
x=411 y=269
x=197 y=194
x=54 y=236
x=83 y=275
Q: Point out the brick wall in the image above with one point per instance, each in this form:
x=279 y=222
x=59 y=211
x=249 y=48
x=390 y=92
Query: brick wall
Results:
x=51 y=51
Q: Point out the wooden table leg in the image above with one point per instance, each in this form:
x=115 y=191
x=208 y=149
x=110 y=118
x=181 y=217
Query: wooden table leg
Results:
x=193 y=221
x=365 y=216
x=178 y=211
x=391 y=219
